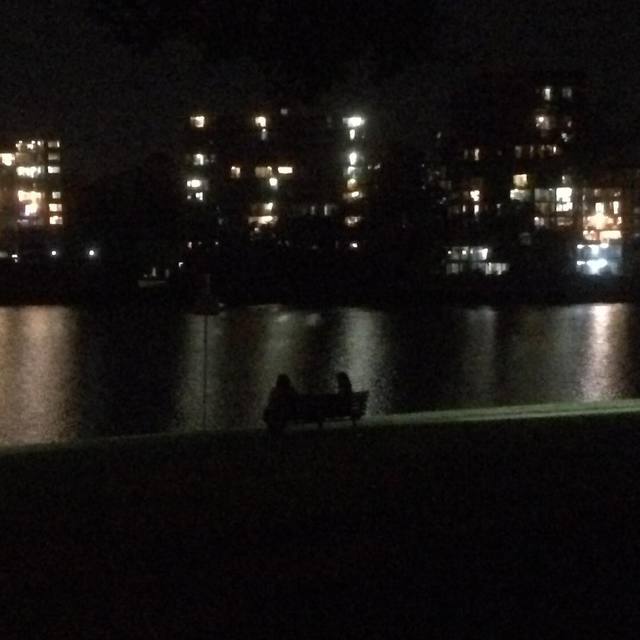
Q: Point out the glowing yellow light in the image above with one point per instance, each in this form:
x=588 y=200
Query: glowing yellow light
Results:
x=353 y=158
x=285 y=171
x=268 y=206
x=194 y=183
x=474 y=194
x=235 y=172
x=198 y=122
x=56 y=195
x=352 y=134
x=261 y=121
x=31 y=209
x=273 y=183
x=7 y=159
x=263 y=220
x=263 y=172
x=352 y=221
x=352 y=183
x=55 y=207
x=198 y=159
x=354 y=122
x=53 y=144
x=520 y=180
x=28 y=196
x=53 y=169
x=29 y=172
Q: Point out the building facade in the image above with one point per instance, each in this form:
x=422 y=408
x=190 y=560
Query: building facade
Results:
x=294 y=176
x=524 y=171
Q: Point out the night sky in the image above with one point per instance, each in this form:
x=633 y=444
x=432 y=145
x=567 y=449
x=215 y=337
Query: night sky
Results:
x=115 y=77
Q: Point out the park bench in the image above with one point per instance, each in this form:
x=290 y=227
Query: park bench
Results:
x=310 y=408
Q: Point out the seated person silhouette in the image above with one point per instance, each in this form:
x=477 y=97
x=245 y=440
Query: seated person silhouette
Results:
x=345 y=392
x=282 y=403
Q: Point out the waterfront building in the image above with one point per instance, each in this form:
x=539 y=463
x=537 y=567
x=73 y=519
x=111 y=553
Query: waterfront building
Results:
x=524 y=171
x=292 y=176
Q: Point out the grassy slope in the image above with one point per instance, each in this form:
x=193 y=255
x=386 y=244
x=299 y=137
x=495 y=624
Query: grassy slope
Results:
x=453 y=530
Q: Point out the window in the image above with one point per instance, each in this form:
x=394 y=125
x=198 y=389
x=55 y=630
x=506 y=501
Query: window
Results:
x=53 y=144
x=563 y=199
x=474 y=194
x=547 y=93
x=273 y=183
x=7 y=159
x=55 y=220
x=56 y=195
x=567 y=93
x=55 y=207
x=235 y=171
x=476 y=154
x=517 y=151
x=520 y=180
x=194 y=183
x=263 y=172
x=353 y=158
x=543 y=122
x=260 y=121
x=200 y=196
x=54 y=157
x=264 y=135
x=53 y=169
x=616 y=207
x=199 y=159
x=285 y=171
x=198 y=122
x=30 y=172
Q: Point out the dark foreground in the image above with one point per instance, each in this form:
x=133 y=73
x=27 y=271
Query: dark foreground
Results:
x=456 y=531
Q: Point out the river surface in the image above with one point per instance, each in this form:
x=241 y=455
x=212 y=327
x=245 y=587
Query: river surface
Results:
x=69 y=373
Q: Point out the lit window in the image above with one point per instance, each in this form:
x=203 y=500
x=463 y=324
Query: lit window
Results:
x=352 y=134
x=520 y=180
x=55 y=220
x=285 y=171
x=235 y=172
x=599 y=208
x=474 y=194
x=353 y=122
x=53 y=144
x=518 y=151
x=264 y=134
x=55 y=207
x=563 y=199
x=476 y=209
x=199 y=159
x=352 y=183
x=200 y=196
x=28 y=196
x=521 y=195
x=352 y=221
x=353 y=195
x=29 y=172
x=7 y=159
x=616 y=207
x=543 y=122
x=31 y=209
x=261 y=121
x=56 y=195
x=54 y=157
x=198 y=122
x=194 y=183
x=567 y=93
x=273 y=183
x=263 y=172
x=53 y=169
x=476 y=154
x=353 y=158
x=547 y=93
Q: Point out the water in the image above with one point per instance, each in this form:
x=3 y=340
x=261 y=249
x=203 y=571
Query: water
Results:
x=70 y=373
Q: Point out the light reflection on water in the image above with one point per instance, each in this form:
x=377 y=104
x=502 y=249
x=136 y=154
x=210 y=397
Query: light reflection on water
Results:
x=68 y=373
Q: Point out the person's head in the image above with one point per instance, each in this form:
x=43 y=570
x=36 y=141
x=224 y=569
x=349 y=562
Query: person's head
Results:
x=283 y=381
x=343 y=381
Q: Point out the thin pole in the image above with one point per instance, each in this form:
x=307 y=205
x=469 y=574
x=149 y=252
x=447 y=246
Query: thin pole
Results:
x=204 y=372
x=207 y=296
